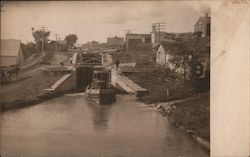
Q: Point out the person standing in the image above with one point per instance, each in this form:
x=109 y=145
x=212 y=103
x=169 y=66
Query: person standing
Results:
x=117 y=63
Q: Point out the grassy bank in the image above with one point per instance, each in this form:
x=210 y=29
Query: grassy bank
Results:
x=163 y=86
x=192 y=116
x=26 y=91
x=28 y=87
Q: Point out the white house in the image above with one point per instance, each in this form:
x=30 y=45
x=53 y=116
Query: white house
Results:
x=189 y=49
x=166 y=51
x=11 y=52
x=203 y=25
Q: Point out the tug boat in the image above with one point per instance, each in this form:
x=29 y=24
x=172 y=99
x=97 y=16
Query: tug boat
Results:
x=100 y=90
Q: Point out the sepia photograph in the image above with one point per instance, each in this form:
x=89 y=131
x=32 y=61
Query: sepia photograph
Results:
x=105 y=78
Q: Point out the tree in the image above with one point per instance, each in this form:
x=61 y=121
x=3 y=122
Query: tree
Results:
x=41 y=36
x=29 y=49
x=71 y=39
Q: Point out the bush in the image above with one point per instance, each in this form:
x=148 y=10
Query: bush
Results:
x=29 y=49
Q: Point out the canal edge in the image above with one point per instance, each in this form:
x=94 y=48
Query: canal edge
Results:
x=163 y=107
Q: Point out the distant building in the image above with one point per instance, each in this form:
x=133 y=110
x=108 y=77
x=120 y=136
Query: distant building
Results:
x=157 y=37
x=203 y=25
x=165 y=51
x=133 y=40
x=11 y=52
x=93 y=46
x=59 y=46
x=115 y=43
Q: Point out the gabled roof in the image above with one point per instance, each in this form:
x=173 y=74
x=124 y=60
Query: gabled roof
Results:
x=204 y=20
x=194 y=46
x=62 y=42
x=10 y=47
x=115 y=41
x=173 y=48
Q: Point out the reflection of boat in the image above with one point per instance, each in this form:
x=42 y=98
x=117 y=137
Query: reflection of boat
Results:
x=101 y=90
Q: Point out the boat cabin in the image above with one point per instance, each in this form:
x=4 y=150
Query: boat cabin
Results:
x=101 y=79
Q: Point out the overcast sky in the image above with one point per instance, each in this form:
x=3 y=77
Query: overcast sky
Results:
x=97 y=20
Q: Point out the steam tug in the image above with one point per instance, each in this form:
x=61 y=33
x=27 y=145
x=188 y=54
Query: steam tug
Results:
x=100 y=90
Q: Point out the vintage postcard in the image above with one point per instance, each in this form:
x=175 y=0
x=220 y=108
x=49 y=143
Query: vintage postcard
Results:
x=124 y=79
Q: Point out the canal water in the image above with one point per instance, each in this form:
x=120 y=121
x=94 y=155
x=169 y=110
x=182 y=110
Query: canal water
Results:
x=73 y=126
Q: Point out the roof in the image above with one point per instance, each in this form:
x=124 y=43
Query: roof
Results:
x=189 y=47
x=139 y=35
x=115 y=41
x=161 y=32
x=172 y=48
x=10 y=47
x=62 y=42
x=204 y=19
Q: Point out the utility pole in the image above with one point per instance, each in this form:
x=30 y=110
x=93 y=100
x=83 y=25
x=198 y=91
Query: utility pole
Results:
x=43 y=28
x=127 y=32
x=56 y=41
x=2 y=5
x=158 y=27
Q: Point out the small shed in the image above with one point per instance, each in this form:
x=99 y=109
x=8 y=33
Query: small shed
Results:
x=115 y=42
x=11 y=52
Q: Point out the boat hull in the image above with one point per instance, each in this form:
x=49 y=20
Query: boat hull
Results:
x=101 y=96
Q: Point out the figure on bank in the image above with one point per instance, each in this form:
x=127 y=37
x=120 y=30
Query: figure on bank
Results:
x=117 y=63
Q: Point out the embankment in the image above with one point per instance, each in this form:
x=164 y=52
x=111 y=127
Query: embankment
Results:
x=32 y=90
x=192 y=116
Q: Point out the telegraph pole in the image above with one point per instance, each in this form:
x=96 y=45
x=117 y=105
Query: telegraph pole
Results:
x=56 y=40
x=127 y=32
x=159 y=27
x=2 y=4
x=43 y=28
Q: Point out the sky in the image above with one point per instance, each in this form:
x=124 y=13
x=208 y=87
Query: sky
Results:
x=97 y=20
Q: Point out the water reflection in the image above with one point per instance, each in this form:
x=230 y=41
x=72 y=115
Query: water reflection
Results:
x=73 y=126
x=100 y=115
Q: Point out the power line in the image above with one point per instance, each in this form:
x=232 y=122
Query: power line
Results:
x=128 y=31
x=158 y=27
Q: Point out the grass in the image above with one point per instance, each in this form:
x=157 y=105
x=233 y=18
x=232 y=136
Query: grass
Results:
x=193 y=115
x=28 y=89
x=162 y=85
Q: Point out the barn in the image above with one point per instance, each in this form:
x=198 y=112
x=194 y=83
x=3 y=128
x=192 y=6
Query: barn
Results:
x=11 y=52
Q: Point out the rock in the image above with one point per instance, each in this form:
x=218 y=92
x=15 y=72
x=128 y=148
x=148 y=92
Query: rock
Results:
x=159 y=106
x=164 y=114
x=182 y=128
x=190 y=131
x=171 y=120
x=203 y=142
